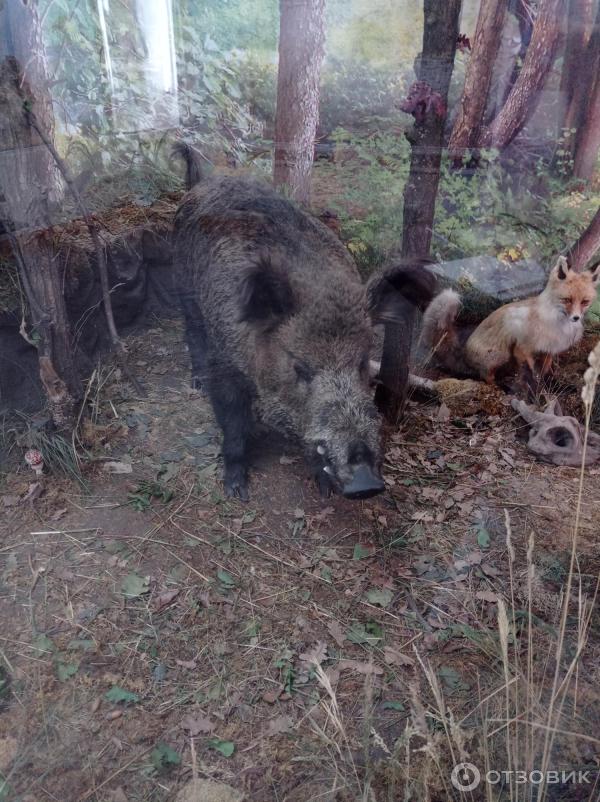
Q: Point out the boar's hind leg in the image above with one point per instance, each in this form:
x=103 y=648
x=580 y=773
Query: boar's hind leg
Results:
x=232 y=403
x=196 y=339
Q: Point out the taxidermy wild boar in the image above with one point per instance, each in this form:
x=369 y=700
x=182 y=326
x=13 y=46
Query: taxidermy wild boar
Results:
x=280 y=327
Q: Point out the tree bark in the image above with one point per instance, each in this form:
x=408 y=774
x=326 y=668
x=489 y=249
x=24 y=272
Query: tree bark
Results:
x=29 y=181
x=486 y=43
x=581 y=105
x=524 y=95
x=26 y=167
x=434 y=68
x=588 y=138
x=587 y=246
x=301 y=50
x=580 y=18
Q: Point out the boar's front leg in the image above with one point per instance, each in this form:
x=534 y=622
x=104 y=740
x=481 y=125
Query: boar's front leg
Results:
x=232 y=402
x=195 y=334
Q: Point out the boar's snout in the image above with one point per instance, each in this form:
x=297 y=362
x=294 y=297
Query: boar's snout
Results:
x=364 y=483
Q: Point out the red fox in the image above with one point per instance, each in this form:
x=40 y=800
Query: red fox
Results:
x=546 y=325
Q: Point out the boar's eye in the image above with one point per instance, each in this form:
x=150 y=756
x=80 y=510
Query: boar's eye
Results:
x=303 y=371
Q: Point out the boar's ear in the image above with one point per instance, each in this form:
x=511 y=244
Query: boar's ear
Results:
x=398 y=288
x=266 y=296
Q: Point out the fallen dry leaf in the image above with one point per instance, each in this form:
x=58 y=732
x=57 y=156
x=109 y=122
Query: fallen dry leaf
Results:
x=316 y=654
x=336 y=632
x=271 y=696
x=396 y=657
x=163 y=599
x=191 y=664
x=197 y=724
x=278 y=725
x=9 y=749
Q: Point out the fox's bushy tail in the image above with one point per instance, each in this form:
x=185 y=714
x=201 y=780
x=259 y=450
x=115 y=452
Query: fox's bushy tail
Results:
x=193 y=163
x=440 y=335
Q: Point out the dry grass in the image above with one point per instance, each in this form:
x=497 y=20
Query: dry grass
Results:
x=460 y=665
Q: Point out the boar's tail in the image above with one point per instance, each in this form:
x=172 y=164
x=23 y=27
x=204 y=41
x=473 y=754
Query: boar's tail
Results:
x=439 y=333
x=193 y=163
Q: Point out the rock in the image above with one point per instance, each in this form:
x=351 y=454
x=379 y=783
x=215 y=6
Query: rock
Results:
x=208 y=791
x=485 y=281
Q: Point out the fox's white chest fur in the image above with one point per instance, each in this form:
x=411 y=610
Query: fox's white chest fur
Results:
x=543 y=328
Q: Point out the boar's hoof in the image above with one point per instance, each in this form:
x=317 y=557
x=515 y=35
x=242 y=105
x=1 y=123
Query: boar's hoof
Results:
x=196 y=383
x=364 y=484
x=235 y=483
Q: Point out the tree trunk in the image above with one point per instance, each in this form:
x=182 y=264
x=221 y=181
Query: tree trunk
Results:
x=588 y=138
x=580 y=18
x=29 y=181
x=525 y=15
x=587 y=246
x=524 y=95
x=580 y=108
x=486 y=42
x=26 y=167
x=301 y=50
x=435 y=66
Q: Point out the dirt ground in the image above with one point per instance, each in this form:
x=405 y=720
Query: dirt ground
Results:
x=293 y=648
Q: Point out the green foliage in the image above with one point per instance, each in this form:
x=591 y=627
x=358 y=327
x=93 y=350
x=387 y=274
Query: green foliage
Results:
x=371 y=172
x=141 y=498
x=120 y=695
x=355 y=95
x=164 y=758
x=117 y=121
x=226 y=748
x=496 y=209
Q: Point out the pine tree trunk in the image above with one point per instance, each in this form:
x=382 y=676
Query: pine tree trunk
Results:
x=435 y=66
x=584 y=73
x=580 y=18
x=588 y=138
x=587 y=246
x=29 y=181
x=486 y=43
x=301 y=50
x=524 y=95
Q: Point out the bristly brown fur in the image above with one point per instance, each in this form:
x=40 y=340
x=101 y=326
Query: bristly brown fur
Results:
x=279 y=323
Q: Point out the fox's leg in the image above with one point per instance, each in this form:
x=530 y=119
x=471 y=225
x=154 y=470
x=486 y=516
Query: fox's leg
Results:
x=546 y=365
x=490 y=376
x=524 y=357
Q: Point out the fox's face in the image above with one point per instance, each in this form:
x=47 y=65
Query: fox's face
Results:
x=574 y=292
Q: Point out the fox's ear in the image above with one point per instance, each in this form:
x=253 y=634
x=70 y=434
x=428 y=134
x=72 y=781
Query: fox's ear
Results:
x=595 y=272
x=562 y=268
